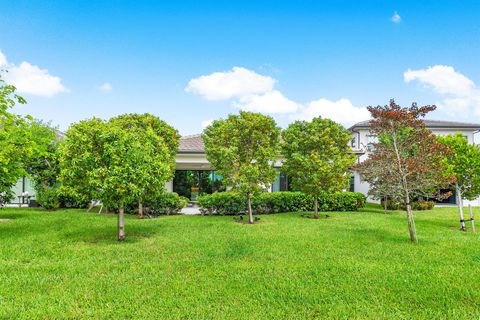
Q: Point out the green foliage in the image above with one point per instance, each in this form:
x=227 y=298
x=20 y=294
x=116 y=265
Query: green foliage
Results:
x=167 y=203
x=464 y=163
x=17 y=144
x=120 y=161
x=223 y=203
x=423 y=205
x=82 y=162
x=317 y=155
x=44 y=168
x=243 y=149
x=48 y=198
x=232 y=203
x=416 y=205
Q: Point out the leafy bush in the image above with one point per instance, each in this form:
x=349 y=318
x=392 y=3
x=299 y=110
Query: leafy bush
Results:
x=69 y=198
x=223 y=203
x=166 y=203
x=416 y=205
x=423 y=205
x=391 y=205
x=231 y=203
x=48 y=198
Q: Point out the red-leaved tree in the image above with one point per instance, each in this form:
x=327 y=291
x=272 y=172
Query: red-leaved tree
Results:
x=407 y=162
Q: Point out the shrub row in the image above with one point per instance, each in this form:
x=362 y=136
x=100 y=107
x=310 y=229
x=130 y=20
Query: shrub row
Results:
x=232 y=203
x=416 y=205
x=167 y=203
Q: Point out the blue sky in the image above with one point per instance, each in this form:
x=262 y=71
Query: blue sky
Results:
x=293 y=59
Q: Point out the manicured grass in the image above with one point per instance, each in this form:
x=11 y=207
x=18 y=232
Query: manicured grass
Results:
x=68 y=264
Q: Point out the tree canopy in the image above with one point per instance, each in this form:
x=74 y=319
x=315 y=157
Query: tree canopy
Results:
x=243 y=149
x=126 y=159
x=19 y=142
x=464 y=164
x=317 y=156
x=407 y=161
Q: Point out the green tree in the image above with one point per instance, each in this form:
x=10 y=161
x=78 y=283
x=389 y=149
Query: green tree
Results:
x=17 y=144
x=243 y=149
x=156 y=165
x=464 y=164
x=83 y=167
x=44 y=169
x=118 y=161
x=317 y=156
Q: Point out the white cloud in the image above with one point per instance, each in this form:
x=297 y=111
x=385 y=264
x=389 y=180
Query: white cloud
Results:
x=251 y=91
x=3 y=60
x=105 y=87
x=396 y=17
x=442 y=79
x=206 y=123
x=235 y=83
x=458 y=92
x=30 y=79
x=269 y=102
x=341 y=111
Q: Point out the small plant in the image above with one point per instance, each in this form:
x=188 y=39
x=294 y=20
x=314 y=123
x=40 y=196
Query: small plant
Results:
x=48 y=198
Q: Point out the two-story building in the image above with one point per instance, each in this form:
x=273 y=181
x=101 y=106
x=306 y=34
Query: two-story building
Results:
x=362 y=143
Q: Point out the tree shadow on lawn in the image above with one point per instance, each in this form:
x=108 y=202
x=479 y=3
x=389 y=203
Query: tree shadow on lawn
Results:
x=11 y=216
x=379 y=235
x=107 y=234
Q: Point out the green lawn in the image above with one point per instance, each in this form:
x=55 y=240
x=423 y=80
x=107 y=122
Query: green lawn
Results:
x=68 y=264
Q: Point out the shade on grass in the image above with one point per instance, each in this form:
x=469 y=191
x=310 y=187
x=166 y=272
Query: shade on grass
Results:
x=351 y=265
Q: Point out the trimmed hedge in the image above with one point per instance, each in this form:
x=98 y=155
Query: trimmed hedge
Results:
x=232 y=203
x=416 y=205
x=168 y=203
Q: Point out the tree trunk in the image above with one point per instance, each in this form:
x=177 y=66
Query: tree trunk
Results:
x=385 y=204
x=140 y=210
x=410 y=219
x=250 y=213
x=315 y=207
x=460 y=207
x=471 y=217
x=121 y=224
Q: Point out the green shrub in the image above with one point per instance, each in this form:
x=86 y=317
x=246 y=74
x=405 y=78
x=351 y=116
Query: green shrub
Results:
x=231 y=203
x=166 y=203
x=223 y=203
x=70 y=199
x=416 y=205
x=423 y=205
x=391 y=205
x=48 y=198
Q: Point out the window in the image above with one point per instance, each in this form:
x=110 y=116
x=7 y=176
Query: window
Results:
x=371 y=141
x=354 y=142
x=281 y=182
x=352 y=183
x=191 y=183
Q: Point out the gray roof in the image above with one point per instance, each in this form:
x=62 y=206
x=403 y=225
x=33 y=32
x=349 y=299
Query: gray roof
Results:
x=191 y=144
x=430 y=124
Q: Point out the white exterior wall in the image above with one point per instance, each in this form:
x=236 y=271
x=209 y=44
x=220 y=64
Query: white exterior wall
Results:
x=364 y=187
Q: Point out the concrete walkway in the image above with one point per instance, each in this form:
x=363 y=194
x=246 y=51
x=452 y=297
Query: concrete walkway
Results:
x=192 y=210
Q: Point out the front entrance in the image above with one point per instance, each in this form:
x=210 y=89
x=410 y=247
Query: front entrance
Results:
x=191 y=183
